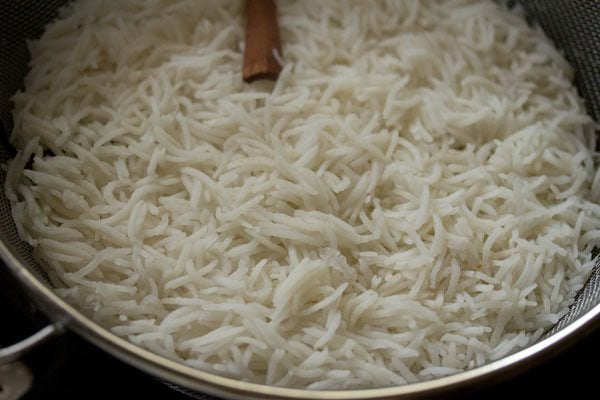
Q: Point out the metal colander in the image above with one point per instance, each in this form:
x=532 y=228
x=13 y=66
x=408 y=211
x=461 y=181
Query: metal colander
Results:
x=574 y=26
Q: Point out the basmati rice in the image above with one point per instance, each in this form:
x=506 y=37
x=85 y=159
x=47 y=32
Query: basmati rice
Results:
x=413 y=197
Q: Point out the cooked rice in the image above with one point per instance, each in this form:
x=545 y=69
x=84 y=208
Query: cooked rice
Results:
x=414 y=196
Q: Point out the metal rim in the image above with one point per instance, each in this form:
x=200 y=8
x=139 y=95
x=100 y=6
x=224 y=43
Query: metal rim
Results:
x=205 y=382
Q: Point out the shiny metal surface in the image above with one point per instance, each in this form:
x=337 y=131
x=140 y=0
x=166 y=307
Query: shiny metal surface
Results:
x=17 y=350
x=15 y=380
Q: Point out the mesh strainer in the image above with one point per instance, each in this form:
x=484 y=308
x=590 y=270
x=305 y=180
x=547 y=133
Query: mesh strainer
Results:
x=573 y=25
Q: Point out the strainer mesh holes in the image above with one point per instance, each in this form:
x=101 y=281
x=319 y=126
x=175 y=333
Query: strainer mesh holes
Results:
x=573 y=25
x=19 y=21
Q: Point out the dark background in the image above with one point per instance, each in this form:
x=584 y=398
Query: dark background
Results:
x=70 y=368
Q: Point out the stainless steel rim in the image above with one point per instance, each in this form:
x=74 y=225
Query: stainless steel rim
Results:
x=19 y=349
x=194 y=379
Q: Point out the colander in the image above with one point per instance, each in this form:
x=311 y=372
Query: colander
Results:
x=574 y=26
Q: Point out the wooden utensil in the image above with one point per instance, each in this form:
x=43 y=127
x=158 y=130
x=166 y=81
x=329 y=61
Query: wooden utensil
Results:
x=262 y=41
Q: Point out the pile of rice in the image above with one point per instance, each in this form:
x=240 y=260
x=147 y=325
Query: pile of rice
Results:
x=413 y=197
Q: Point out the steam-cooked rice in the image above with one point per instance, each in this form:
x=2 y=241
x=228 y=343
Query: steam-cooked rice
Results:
x=414 y=196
